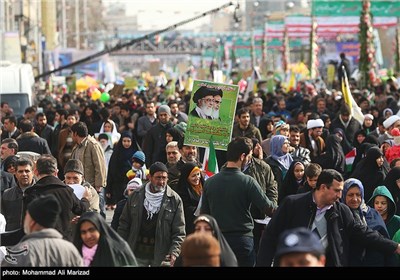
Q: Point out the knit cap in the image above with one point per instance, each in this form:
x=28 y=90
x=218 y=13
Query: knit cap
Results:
x=139 y=157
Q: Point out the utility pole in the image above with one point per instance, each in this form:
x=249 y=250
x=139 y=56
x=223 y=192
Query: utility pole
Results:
x=77 y=34
x=252 y=47
x=64 y=24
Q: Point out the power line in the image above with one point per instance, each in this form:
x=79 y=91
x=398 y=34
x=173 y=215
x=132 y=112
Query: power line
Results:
x=134 y=41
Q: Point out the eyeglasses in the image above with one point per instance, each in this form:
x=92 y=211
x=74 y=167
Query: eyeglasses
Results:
x=208 y=99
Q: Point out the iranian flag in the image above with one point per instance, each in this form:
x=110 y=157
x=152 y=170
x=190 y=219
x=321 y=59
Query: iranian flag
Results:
x=350 y=156
x=210 y=164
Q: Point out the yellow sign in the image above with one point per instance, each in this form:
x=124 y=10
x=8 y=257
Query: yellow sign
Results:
x=330 y=73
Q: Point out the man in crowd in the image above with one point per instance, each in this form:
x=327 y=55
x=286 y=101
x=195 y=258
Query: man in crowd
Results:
x=48 y=183
x=321 y=212
x=298 y=152
x=146 y=122
x=244 y=128
x=43 y=129
x=312 y=140
x=153 y=222
x=91 y=154
x=29 y=140
x=12 y=199
x=173 y=156
x=10 y=129
x=155 y=141
x=177 y=115
x=74 y=174
x=256 y=111
x=228 y=195
x=9 y=147
x=43 y=245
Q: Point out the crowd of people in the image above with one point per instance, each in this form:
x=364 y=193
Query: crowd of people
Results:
x=303 y=182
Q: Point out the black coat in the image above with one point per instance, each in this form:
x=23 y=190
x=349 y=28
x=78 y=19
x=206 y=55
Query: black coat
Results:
x=30 y=141
x=154 y=144
x=7 y=181
x=299 y=211
x=70 y=204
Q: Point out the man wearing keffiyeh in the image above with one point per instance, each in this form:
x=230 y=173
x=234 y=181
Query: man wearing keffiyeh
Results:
x=153 y=222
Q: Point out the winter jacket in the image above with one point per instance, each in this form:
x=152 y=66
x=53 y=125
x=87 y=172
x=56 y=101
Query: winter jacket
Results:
x=393 y=221
x=170 y=229
x=45 y=248
x=299 y=210
x=70 y=204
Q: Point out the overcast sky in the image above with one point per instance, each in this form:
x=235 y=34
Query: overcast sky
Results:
x=156 y=14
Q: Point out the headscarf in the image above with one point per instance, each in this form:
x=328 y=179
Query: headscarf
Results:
x=184 y=184
x=124 y=155
x=334 y=155
x=290 y=184
x=115 y=135
x=228 y=258
x=368 y=172
x=112 y=250
x=264 y=121
x=350 y=183
x=276 y=151
x=190 y=197
x=390 y=183
x=175 y=133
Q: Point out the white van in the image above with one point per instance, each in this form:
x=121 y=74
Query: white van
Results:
x=16 y=86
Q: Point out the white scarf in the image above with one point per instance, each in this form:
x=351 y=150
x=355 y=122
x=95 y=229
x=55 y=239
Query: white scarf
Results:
x=152 y=201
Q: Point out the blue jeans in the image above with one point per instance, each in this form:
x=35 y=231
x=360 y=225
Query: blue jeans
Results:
x=243 y=247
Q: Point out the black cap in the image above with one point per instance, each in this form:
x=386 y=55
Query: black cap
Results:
x=156 y=167
x=74 y=165
x=298 y=240
x=45 y=210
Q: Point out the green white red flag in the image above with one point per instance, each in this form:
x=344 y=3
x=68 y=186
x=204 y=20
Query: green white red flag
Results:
x=210 y=164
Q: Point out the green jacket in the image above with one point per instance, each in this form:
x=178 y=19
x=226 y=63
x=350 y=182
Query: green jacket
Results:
x=393 y=221
x=170 y=230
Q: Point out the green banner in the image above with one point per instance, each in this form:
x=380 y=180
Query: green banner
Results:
x=211 y=115
x=353 y=8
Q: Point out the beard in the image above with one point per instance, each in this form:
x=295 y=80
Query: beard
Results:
x=207 y=111
x=158 y=188
x=215 y=114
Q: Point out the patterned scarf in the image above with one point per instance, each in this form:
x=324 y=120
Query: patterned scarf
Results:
x=152 y=201
x=198 y=188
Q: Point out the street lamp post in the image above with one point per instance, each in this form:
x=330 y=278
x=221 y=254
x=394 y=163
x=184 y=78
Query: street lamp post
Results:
x=252 y=43
x=264 y=45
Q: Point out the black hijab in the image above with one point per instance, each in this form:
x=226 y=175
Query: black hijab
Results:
x=290 y=185
x=334 y=155
x=112 y=250
x=123 y=155
x=368 y=172
x=228 y=258
x=390 y=183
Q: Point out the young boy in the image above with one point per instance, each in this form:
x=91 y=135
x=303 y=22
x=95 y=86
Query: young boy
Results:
x=312 y=172
x=138 y=167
